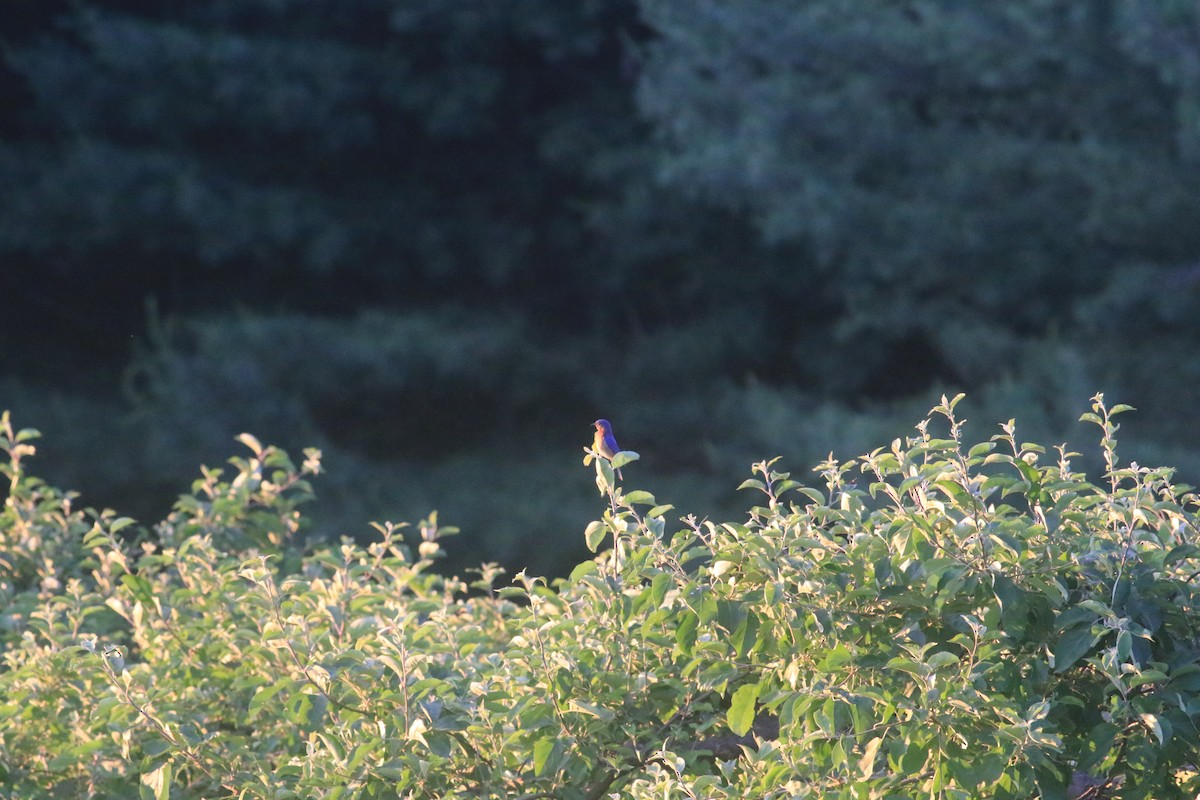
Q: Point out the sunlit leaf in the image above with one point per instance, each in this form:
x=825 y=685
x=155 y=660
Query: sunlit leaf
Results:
x=742 y=708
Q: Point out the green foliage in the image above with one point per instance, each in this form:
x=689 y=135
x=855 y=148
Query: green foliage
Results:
x=936 y=618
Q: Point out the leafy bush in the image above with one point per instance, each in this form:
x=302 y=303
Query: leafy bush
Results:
x=933 y=619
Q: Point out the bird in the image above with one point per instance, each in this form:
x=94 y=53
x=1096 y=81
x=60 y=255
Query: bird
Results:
x=605 y=443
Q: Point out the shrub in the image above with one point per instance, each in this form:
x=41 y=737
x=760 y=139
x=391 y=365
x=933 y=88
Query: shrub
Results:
x=933 y=619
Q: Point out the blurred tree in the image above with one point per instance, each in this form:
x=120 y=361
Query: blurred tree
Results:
x=943 y=168
x=931 y=180
x=392 y=148
x=766 y=225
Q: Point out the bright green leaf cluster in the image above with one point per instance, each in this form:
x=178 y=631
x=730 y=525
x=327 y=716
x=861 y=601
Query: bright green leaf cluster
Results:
x=936 y=618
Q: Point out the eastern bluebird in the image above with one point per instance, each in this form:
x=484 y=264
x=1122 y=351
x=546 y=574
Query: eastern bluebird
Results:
x=605 y=443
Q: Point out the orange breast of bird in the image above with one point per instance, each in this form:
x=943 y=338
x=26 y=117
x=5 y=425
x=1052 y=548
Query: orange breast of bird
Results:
x=598 y=445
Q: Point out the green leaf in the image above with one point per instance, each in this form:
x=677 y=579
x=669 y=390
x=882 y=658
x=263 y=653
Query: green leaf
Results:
x=605 y=475
x=838 y=657
x=658 y=588
x=120 y=523
x=942 y=660
x=357 y=756
x=954 y=491
x=1124 y=645
x=156 y=784
x=1098 y=744
x=639 y=497
x=866 y=763
x=583 y=569
x=1181 y=553
x=267 y=693
x=1029 y=473
x=96 y=537
x=25 y=434
x=745 y=634
x=816 y=495
x=1158 y=726
x=1149 y=677
x=542 y=749
x=752 y=483
x=685 y=632
x=1186 y=679
x=1072 y=646
x=914 y=758
x=980 y=449
x=914 y=668
x=307 y=709
x=591 y=709
x=139 y=587
x=250 y=441
x=155 y=747
x=624 y=457
x=741 y=709
x=594 y=534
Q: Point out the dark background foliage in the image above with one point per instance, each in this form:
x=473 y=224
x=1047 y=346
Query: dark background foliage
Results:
x=436 y=239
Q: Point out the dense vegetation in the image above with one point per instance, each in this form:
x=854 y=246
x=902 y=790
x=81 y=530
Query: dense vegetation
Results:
x=454 y=233
x=936 y=618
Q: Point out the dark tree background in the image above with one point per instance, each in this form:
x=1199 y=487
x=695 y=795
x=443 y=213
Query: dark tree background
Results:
x=436 y=239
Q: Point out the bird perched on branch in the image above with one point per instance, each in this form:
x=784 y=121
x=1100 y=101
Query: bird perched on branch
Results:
x=605 y=443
